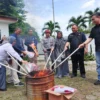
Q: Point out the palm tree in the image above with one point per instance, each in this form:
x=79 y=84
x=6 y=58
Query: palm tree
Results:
x=89 y=14
x=79 y=21
x=51 y=26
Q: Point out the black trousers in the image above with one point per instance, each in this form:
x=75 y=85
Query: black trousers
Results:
x=78 y=60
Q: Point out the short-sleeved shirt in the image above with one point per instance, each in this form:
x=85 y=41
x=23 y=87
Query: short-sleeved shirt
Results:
x=75 y=39
x=95 y=34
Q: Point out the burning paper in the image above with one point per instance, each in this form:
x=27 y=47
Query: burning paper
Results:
x=31 y=67
x=41 y=73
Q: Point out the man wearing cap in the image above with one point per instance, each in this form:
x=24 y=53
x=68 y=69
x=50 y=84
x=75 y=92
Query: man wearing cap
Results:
x=48 y=45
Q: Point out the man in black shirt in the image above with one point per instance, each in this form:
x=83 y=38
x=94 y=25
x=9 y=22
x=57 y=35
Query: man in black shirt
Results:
x=74 y=40
x=95 y=34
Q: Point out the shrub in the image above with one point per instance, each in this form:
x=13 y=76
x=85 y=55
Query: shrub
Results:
x=89 y=56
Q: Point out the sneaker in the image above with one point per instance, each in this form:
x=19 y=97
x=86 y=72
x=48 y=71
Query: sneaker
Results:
x=59 y=76
x=97 y=82
x=83 y=76
x=19 y=84
x=66 y=75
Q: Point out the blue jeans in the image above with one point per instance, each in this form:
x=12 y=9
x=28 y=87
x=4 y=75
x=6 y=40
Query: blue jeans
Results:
x=2 y=78
x=98 y=64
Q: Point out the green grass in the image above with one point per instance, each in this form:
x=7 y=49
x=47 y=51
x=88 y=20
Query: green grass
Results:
x=85 y=87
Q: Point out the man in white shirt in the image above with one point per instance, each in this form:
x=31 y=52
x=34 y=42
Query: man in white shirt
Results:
x=5 y=47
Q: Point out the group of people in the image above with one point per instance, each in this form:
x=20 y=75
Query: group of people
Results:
x=75 y=40
x=14 y=46
x=54 y=46
x=60 y=44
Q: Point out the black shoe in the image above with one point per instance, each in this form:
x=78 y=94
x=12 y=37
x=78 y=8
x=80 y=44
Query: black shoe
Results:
x=19 y=84
x=3 y=89
x=72 y=76
x=97 y=82
x=83 y=76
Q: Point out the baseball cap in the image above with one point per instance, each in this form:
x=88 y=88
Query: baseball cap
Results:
x=47 y=31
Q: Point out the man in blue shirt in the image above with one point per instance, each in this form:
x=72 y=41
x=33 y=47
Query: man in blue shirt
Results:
x=19 y=44
x=19 y=48
x=31 y=43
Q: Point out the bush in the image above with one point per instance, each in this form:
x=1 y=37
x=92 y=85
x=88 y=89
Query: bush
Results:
x=90 y=56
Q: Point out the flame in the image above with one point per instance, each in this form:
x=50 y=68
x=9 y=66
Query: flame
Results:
x=40 y=74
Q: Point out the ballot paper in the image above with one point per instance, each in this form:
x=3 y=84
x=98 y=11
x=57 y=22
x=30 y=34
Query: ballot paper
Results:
x=65 y=89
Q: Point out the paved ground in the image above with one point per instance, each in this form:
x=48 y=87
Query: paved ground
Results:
x=85 y=87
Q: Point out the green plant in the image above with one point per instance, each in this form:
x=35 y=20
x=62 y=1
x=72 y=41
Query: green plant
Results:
x=53 y=27
x=89 y=56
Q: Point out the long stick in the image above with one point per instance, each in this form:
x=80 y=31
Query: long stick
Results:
x=66 y=58
x=17 y=63
x=13 y=69
x=48 y=60
x=57 y=58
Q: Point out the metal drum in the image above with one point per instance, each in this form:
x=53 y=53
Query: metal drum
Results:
x=35 y=87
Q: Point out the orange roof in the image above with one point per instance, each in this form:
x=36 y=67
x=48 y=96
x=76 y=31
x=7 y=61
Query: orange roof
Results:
x=8 y=18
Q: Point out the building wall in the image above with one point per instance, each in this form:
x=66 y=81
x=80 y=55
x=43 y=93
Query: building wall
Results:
x=4 y=29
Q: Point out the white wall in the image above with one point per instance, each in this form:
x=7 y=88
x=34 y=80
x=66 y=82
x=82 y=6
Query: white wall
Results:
x=4 y=29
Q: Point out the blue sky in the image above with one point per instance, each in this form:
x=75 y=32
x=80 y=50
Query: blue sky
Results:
x=40 y=11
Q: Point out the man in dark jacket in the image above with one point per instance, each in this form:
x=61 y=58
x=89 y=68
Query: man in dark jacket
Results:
x=95 y=34
x=74 y=40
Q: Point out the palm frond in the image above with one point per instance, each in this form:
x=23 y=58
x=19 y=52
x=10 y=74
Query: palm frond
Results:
x=73 y=19
x=44 y=29
x=56 y=26
x=96 y=10
x=79 y=17
x=69 y=26
x=89 y=13
x=84 y=25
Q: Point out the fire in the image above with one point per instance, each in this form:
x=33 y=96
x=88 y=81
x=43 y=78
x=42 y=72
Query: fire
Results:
x=41 y=74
